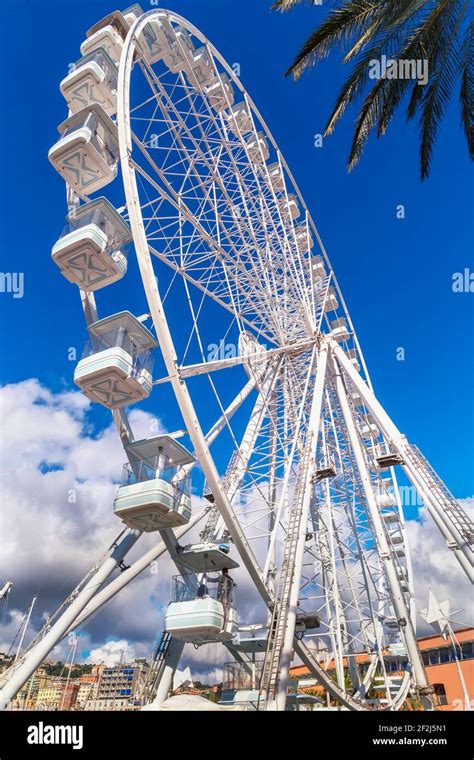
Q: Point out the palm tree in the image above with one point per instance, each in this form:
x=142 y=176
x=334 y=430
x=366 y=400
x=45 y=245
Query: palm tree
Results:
x=440 y=32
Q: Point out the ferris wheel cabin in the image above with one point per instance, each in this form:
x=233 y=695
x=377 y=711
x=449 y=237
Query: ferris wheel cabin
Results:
x=202 y=614
x=257 y=147
x=116 y=366
x=330 y=302
x=351 y=353
x=239 y=119
x=304 y=239
x=275 y=179
x=209 y=556
x=87 y=154
x=159 y=39
x=93 y=79
x=180 y=50
x=318 y=270
x=157 y=42
x=154 y=493
x=201 y=69
x=92 y=250
x=109 y=34
x=339 y=330
x=220 y=93
x=289 y=208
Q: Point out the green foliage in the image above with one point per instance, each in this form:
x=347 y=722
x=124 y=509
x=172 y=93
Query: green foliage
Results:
x=439 y=32
x=210 y=695
x=202 y=686
x=58 y=668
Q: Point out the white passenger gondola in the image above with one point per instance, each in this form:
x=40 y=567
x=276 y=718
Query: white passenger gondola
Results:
x=87 y=154
x=318 y=270
x=158 y=35
x=351 y=353
x=153 y=495
x=181 y=50
x=239 y=120
x=387 y=457
x=304 y=239
x=201 y=71
x=116 y=365
x=325 y=468
x=93 y=79
x=132 y=13
x=201 y=621
x=257 y=147
x=220 y=93
x=390 y=517
x=339 y=331
x=109 y=33
x=202 y=615
x=331 y=303
x=92 y=250
x=206 y=557
x=386 y=494
x=369 y=430
x=275 y=178
x=395 y=537
x=289 y=208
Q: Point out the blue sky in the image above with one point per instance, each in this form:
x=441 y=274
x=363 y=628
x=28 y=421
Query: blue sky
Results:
x=396 y=275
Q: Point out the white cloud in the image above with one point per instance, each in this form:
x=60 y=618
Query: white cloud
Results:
x=435 y=568
x=57 y=484
x=112 y=653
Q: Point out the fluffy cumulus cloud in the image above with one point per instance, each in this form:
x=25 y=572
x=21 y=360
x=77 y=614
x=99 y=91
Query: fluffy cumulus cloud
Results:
x=112 y=653
x=435 y=568
x=58 y=477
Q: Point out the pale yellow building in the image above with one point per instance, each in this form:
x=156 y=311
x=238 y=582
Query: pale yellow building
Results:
x=50 y=697
x=87 y=690
x=27 y=696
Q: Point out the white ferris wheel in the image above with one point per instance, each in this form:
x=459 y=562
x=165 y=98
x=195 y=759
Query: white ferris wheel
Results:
x=279 y=429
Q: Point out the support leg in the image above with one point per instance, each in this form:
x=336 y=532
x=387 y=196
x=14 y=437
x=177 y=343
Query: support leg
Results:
x=449 y=525
x=289 y=631
x=166 y=675
x=41 y=650
x=401 y=609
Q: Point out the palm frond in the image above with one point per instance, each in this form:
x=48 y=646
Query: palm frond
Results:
x=397 y=19
x=340 y=26
x=288 y=5
x=366 y=121
x=424 y=42
x=363 y=19
x=432 y=35
x=467 y=87
x=404 y=30
x=438 y=93
x=357 y=80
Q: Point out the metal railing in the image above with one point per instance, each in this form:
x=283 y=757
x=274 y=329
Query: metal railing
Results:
x=236 y=676
x=142 y=470
x=96 y=344
x=209 y=587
